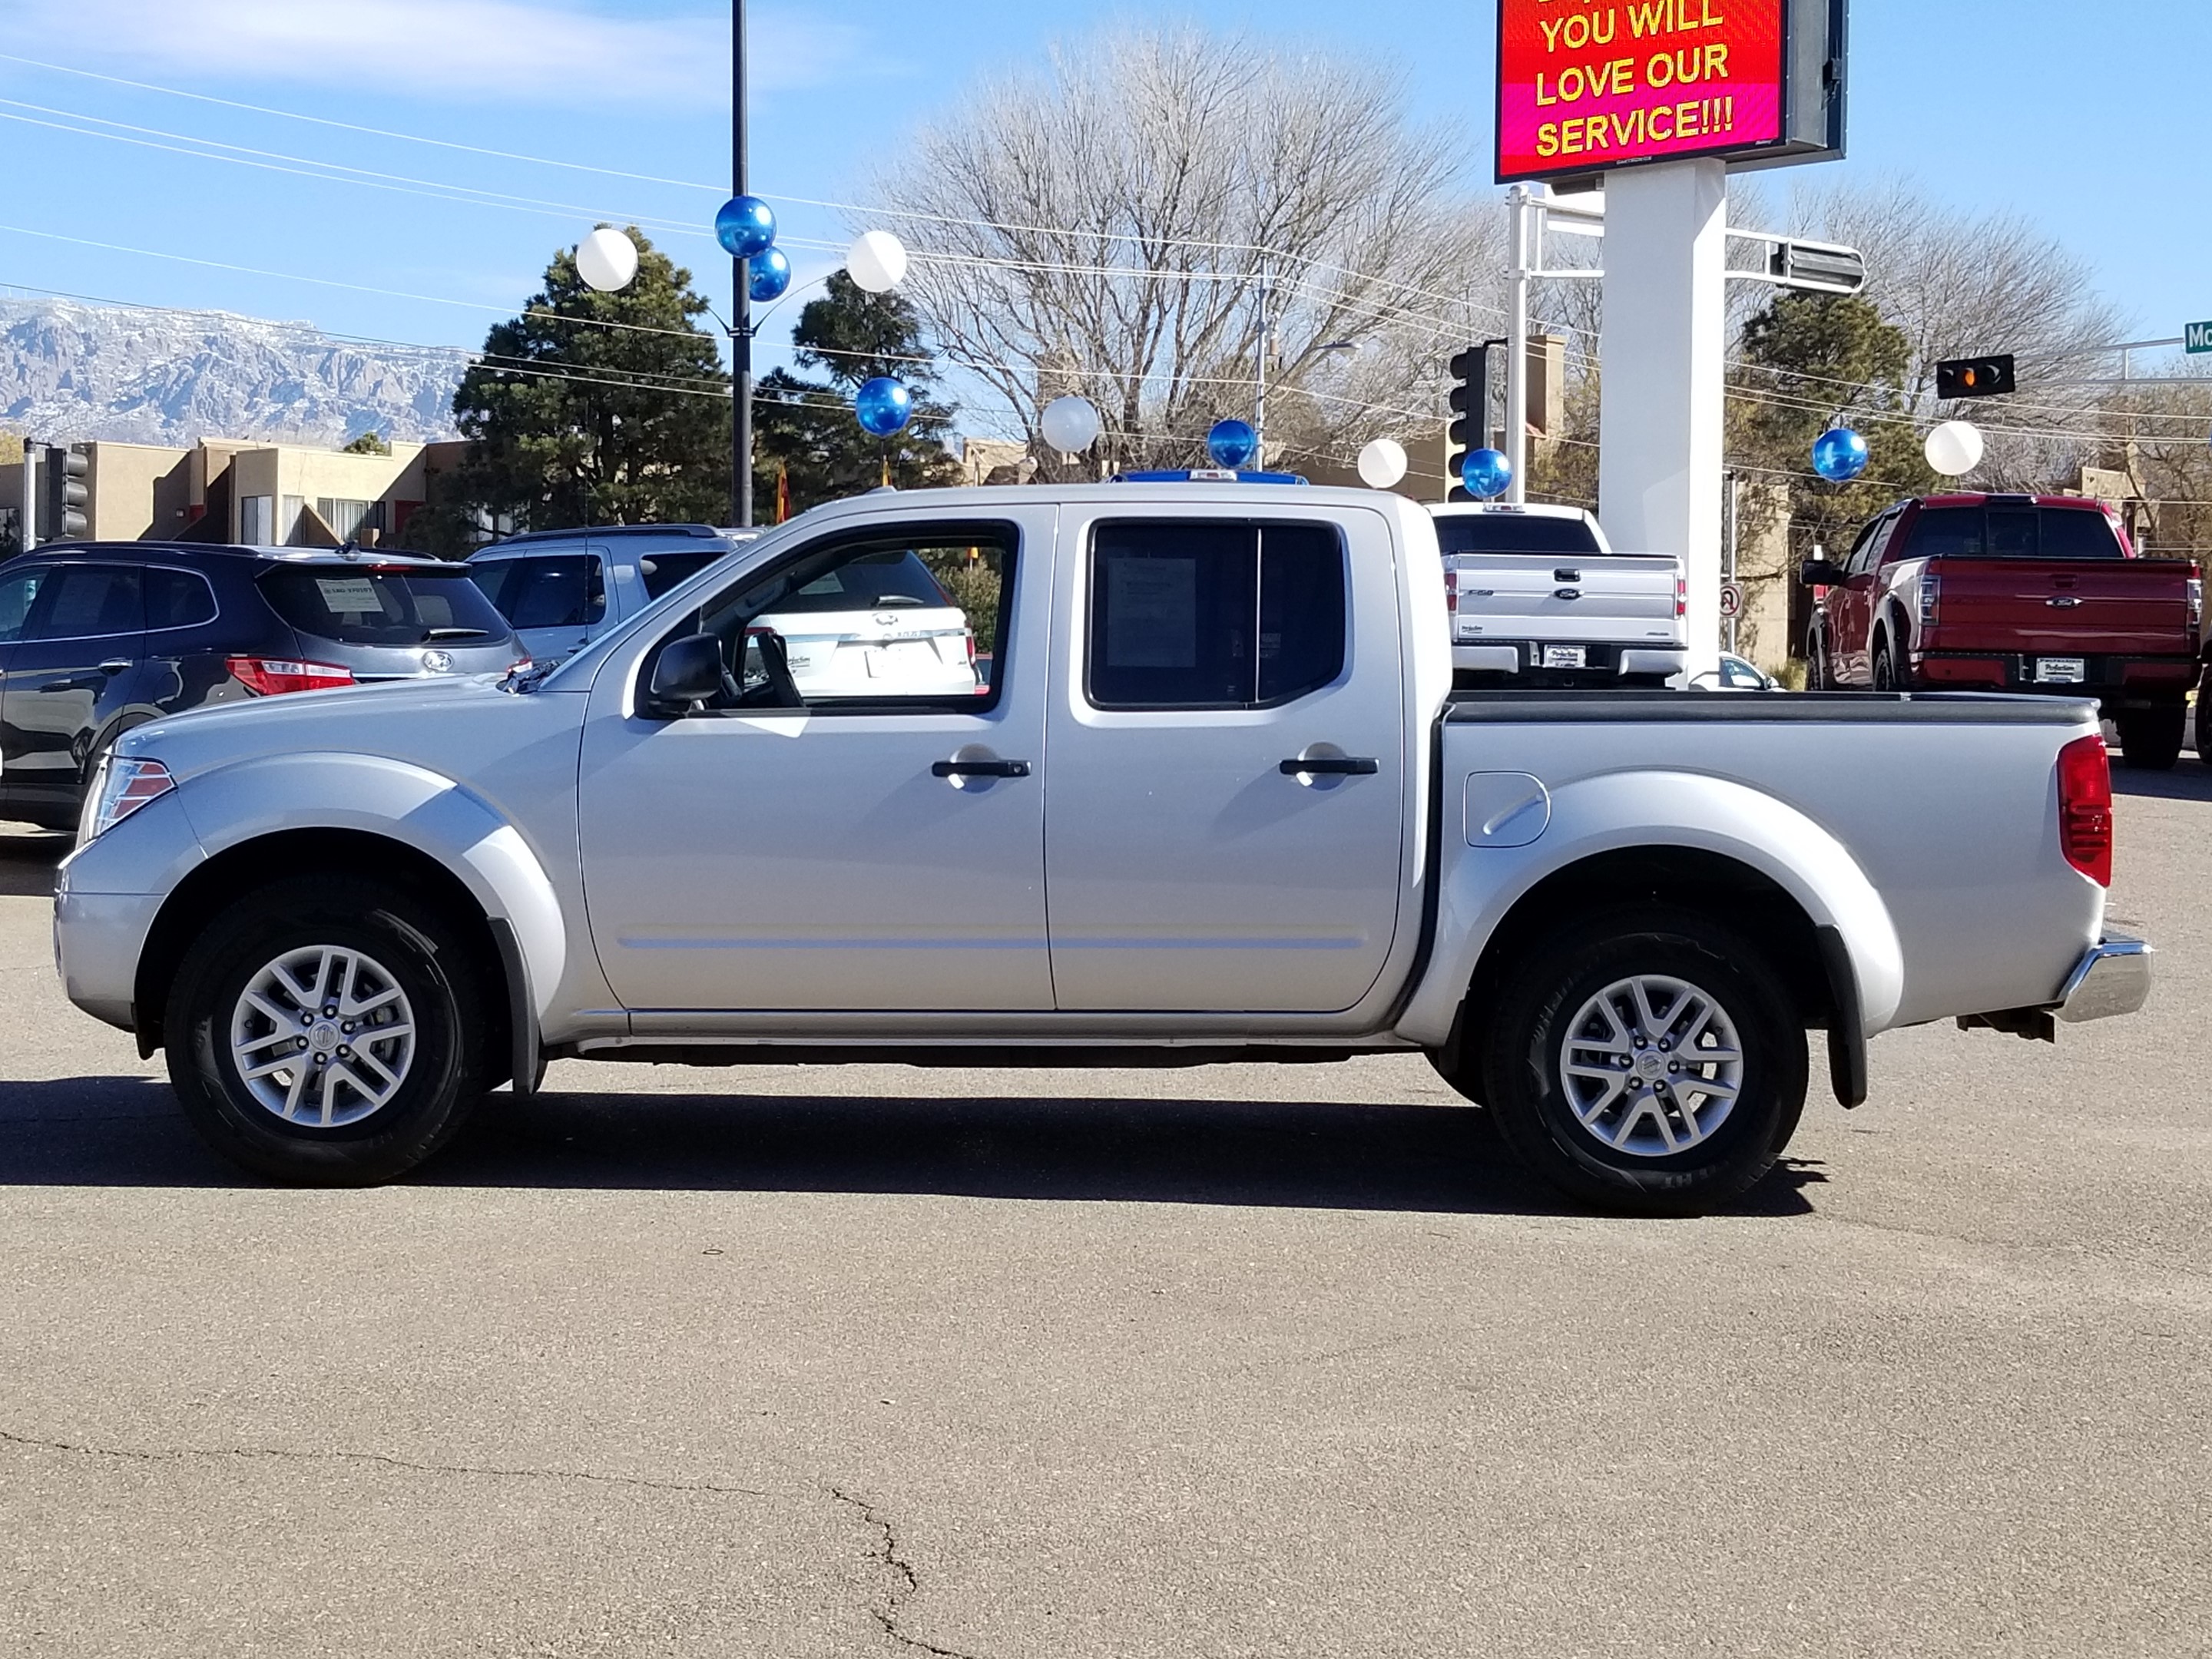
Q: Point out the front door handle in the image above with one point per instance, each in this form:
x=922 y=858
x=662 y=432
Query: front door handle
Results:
x=115 y=664
x=979 y=768
x=1335 y=766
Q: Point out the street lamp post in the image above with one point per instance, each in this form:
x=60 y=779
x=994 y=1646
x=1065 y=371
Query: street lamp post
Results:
x=741 y=327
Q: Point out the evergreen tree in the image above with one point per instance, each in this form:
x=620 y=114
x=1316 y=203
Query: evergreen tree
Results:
x=804 y=429
x=1809 y=360
x=571 y=422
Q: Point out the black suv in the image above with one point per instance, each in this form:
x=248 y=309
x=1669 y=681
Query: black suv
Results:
x=97 y=637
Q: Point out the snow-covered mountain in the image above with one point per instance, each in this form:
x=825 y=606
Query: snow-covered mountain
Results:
x=70 y=371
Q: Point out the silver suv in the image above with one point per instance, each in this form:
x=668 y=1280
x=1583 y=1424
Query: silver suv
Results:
x=560 y=589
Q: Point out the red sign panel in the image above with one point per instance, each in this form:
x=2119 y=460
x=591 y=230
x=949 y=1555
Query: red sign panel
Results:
x=1583 y=85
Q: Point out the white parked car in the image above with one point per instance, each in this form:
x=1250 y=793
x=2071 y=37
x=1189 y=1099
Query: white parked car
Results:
x=879 y=621
x=1735 y=673
x=1537 y=596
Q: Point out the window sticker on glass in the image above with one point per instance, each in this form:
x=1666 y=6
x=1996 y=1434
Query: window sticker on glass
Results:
x=355 y=594
x=1153 y=613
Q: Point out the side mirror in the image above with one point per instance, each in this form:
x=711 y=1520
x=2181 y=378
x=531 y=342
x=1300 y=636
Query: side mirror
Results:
x=689 y=672
x=1820 y=573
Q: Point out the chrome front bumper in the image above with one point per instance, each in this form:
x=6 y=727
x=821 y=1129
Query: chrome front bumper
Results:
x=2113 y=978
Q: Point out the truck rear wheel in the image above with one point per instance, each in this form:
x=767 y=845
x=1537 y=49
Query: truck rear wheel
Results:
x=1885 y=667
x=2150 y=738
x=326 y=1032
x=1645 y=1060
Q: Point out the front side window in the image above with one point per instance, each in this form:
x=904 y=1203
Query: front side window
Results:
x=554 y=590
x=1213 y=614
x=86 y=601
x=912 y=618
x=17 y=592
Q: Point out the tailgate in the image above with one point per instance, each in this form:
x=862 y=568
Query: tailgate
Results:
x=1598 y=596
x=2087 y=607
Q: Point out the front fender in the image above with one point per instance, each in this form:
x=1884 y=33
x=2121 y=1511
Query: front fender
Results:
x=231 y=805
x=1622 y=810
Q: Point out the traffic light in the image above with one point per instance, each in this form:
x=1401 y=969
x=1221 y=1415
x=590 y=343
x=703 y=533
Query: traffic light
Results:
x=65 y=492
x=1470 y=407
x=1976 y=377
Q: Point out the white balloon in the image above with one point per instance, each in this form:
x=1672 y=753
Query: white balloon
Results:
x=1070 y=424
x=1955 y=448
x=1382 y=463
x=876 y=263
x=606 y=260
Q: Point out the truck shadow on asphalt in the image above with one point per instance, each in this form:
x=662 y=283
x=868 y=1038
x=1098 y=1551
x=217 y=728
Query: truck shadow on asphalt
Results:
x=2190 y=781
x=27 y=862
x=127 y=1132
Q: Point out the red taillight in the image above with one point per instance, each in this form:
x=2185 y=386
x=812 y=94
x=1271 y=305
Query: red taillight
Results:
x=1682 y=596
x=2085 y=808
x=271 y=676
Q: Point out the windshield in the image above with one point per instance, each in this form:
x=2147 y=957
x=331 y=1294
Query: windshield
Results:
x=1513 y=533
x=369 y=605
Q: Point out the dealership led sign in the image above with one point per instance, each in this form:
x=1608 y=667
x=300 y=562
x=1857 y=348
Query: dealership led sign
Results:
x=1586 y=85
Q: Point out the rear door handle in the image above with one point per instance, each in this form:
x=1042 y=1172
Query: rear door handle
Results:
x=979 y=768
x=1340 y=766
x=115 y=664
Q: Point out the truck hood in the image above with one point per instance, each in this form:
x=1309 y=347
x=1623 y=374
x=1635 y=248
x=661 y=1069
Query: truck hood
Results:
x=410 y=720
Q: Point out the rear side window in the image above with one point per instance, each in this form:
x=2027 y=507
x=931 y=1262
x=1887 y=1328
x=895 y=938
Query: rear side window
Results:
x=1512 y=532
x=557 y=590
x=178 y=598
x=84 y=601
x=662 y=571
x=1213 y=615
x=369 y=605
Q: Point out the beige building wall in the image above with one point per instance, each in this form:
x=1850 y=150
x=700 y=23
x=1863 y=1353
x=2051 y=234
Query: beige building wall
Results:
x=135 y=491
x=1762 y=564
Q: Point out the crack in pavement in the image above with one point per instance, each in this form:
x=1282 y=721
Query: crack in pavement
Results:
x=186 y=1453
x=887 y=1553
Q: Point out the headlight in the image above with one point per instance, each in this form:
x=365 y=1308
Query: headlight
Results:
x=120 y=788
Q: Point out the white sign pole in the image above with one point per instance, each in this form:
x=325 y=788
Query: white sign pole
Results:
x=1660 y=419
x=1528 y=240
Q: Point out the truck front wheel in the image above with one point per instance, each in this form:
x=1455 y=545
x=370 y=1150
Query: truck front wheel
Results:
x=327 y=1032
x=2150 y=738
x=1646 y=1060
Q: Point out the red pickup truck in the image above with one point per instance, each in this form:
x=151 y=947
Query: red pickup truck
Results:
x=2014 y=593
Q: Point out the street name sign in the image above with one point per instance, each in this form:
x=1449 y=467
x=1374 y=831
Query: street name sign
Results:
x=2197 y=336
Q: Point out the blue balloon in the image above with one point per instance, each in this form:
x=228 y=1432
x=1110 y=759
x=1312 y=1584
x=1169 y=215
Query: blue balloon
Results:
x=768 y=276
x=1232 y=444
x=883 y=406
x=1839 y=454
x=1485 y=472
x=745 y=226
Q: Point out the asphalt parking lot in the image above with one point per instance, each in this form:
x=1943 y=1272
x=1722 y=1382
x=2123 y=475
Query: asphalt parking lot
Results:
x=1264 y=1361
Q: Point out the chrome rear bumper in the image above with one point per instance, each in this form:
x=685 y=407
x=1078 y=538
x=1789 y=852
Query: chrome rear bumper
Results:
x=2112 y=978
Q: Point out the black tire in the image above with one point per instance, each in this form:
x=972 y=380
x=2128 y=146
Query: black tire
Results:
x=1816 y=666
x=1885 y=666
x=2150 y=738
x=1528 y=1093
x=2204 y=721
x=443 y=989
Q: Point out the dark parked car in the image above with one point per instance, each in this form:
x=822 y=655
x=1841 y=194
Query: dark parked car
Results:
x=98 y=637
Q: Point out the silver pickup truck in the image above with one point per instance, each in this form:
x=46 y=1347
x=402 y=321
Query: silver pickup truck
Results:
x=1211 y=797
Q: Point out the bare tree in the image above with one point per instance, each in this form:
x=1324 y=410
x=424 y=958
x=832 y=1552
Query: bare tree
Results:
x=1105 y=227
x=1962 y=284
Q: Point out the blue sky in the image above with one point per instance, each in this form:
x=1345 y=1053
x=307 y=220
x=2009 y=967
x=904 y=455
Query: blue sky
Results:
x=2090 y=121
